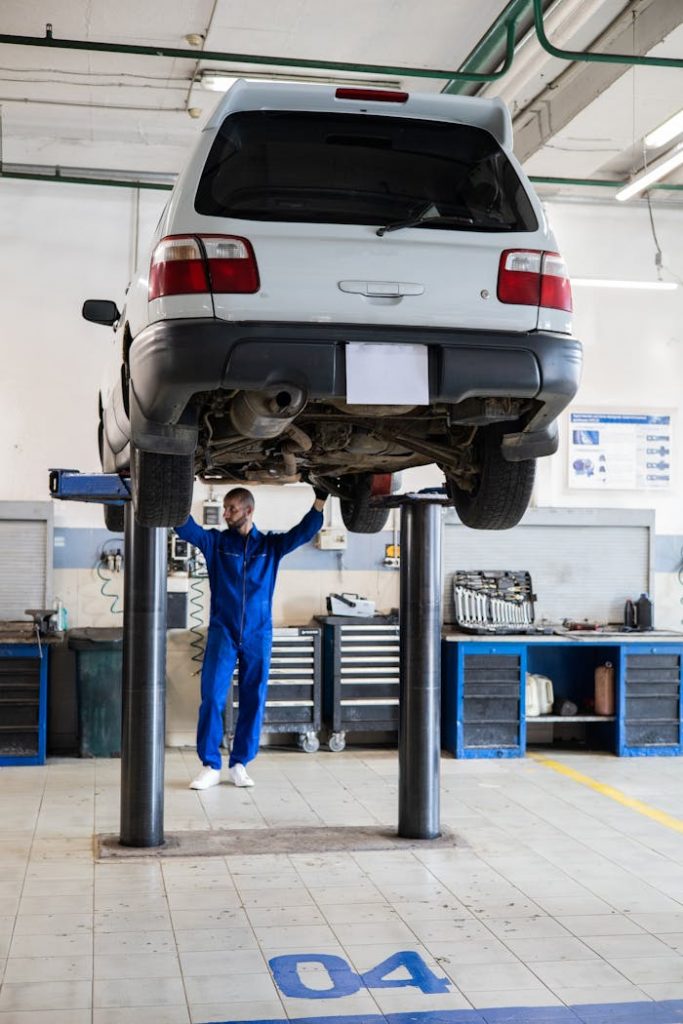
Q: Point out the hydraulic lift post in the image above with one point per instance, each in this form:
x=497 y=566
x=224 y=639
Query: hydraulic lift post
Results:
x=144 y=684
x=419 y=711
x=144 y=656
x=419 y=729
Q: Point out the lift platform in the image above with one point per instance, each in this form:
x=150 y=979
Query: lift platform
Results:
x=103 y=488
x=144 y=659
x=144 y=655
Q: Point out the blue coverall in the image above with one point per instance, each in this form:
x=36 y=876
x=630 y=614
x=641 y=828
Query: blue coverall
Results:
x=242 y=572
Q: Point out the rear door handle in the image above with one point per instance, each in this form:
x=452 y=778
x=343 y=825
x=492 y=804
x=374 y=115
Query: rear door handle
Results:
x=385 y=289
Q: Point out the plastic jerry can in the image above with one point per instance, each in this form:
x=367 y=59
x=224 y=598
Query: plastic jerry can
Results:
x=539 y=695
x=645 y=613
x=604 y=689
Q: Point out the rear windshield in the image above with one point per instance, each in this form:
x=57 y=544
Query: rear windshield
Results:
x=358 y=169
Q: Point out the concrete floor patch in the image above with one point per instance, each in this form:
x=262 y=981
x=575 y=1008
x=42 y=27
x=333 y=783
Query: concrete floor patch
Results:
x=251 y=842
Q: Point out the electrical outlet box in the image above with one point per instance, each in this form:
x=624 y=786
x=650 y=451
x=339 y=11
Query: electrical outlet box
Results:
x=211 y=512
x=332 y=538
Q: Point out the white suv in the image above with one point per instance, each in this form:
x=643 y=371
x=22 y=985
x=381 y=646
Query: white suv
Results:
x=344 y=283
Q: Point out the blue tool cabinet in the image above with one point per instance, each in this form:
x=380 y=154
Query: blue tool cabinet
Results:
x=483 y=690
x=23 y=703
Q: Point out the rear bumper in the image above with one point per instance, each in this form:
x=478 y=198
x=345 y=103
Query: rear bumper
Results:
x=173 y=360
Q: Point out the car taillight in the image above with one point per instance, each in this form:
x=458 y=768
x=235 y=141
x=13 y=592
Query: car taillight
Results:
x=530 y=277
x=192 y=264
x=378 y=95
x=556 y=289
x=177 y=268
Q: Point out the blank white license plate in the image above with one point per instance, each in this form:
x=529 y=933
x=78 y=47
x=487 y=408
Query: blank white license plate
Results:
x=386 y=374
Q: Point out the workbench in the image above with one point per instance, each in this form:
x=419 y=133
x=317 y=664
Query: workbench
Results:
x=23 y=693
x=483 y=692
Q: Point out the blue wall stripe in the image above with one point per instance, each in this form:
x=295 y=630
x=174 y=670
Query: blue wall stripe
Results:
x=80 y=548
x=668 y=553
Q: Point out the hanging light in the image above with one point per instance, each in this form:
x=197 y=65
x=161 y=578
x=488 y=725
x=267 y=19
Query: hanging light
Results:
x=666 y=132
x=655 y=172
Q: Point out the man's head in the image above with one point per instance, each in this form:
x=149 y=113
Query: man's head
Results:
x=238 y=509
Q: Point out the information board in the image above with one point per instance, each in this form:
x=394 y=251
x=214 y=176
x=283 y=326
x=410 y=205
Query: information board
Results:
x=626 y=451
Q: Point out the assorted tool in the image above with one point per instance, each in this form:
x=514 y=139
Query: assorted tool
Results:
x=494 y=601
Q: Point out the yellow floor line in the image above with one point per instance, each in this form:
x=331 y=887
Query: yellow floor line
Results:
x=614 y=794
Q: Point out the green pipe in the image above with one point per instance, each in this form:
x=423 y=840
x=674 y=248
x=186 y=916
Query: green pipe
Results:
x=488 y=47
x=600 y=183
x=73 y=180
x=595 y=58
x=132 y=183
x=585 y=182
x=249 y=58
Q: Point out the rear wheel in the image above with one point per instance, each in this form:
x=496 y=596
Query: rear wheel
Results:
x=358 y=514
x=501 y=491
x=161 y=486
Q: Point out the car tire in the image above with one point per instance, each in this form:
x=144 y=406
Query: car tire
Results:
x=502 y=489
x=358 y=515
x=161 y=487
x=113 y=517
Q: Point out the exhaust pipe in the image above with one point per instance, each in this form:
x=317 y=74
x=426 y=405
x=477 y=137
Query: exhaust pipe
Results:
x=268 y=413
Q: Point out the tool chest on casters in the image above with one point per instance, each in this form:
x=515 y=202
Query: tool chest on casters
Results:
x=293 y=701
x=360 y=676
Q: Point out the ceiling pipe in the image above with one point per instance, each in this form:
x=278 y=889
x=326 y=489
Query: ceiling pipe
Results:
x=590 y=57
x=88 y=176
x=150 y=180
x=599 y=183
x=194 y=55
x=564 y=18
x=505 y=26
x=487 y=51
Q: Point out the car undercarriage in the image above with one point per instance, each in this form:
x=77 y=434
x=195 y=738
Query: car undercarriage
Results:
x=275 y=436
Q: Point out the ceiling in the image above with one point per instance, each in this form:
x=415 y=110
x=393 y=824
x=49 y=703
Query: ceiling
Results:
x=107 y=112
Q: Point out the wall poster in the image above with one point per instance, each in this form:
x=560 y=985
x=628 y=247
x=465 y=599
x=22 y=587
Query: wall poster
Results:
x=624 y=451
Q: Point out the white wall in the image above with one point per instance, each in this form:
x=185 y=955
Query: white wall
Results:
x=65 y=243
x=61 y=244
x=633 y=340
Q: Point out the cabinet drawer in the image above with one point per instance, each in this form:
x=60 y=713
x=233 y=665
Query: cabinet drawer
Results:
x=490 y=708
x=649 y=708
x=491 y=734
x=650 y=734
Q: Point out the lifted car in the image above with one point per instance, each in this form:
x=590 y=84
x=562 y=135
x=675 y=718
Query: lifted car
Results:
x=344 y=283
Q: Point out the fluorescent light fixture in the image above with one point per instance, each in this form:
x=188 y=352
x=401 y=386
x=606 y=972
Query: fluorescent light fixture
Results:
x=219 y=81
x=215 y=81
x=605 y=282
x=666 y=132
x=654 y=173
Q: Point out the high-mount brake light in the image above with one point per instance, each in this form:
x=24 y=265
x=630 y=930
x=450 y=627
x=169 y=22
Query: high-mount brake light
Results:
x=378 y=95
x=200 y=264
x=530 y=277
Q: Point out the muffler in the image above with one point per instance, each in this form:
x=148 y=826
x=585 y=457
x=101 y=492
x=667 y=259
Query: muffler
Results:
x=268 y=413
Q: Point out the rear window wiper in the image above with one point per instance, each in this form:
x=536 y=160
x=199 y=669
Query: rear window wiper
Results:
x=424 y=217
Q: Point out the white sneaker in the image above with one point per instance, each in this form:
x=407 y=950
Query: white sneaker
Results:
x=207 y=777
x=238 y=775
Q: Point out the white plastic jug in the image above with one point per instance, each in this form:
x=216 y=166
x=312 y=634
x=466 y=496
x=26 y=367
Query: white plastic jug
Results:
x=539 y=695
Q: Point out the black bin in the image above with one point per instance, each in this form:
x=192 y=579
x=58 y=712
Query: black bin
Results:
x=99 y=669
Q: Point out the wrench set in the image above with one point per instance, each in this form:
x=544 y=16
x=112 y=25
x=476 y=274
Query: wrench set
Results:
x=496 y=602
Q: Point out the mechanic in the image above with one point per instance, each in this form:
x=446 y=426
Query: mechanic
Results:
x=242 y=564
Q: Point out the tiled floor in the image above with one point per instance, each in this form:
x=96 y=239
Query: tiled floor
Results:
x=555 y=895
